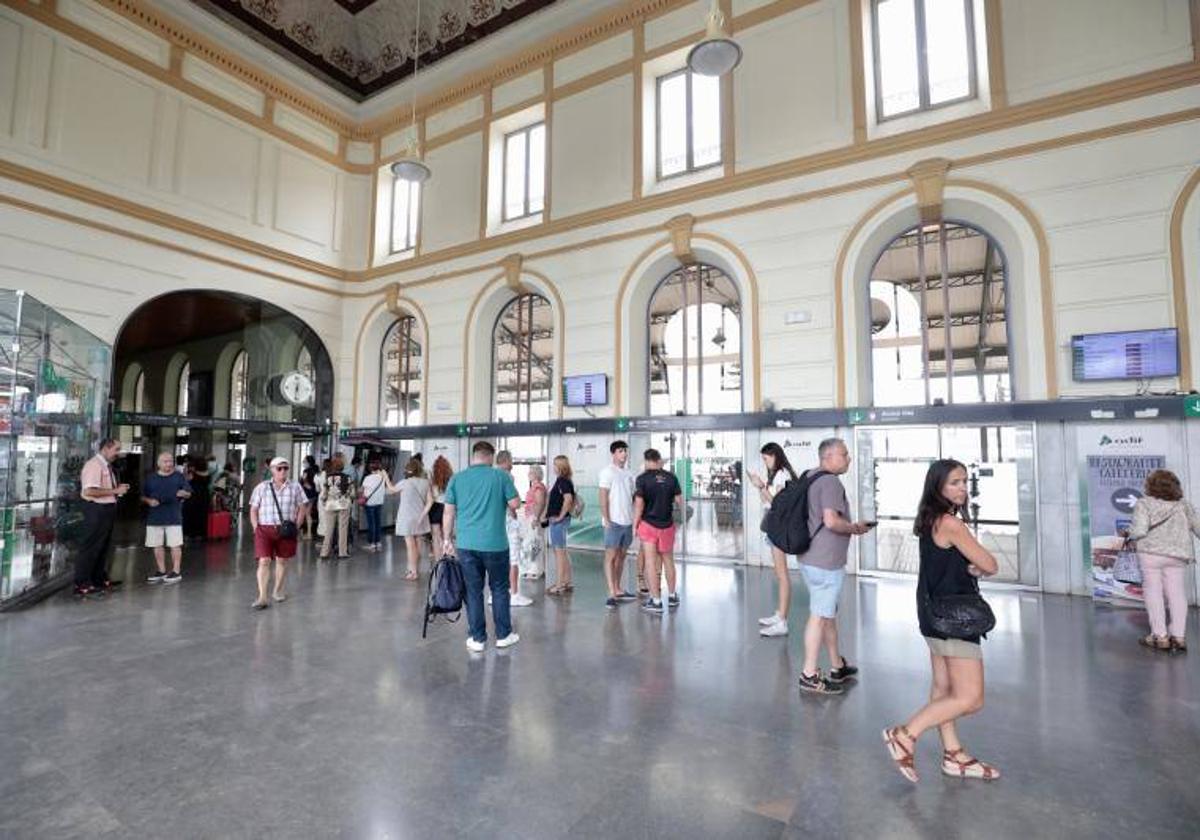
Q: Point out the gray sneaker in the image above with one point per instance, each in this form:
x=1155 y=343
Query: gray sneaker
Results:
x=173 y=577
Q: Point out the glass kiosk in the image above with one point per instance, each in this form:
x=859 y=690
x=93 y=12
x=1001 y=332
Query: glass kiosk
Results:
x=53 y=393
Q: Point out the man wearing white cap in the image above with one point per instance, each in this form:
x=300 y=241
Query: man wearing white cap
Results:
x=278 y=508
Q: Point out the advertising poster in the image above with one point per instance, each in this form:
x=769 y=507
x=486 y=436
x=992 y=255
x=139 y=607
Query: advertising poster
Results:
x=1114 y=462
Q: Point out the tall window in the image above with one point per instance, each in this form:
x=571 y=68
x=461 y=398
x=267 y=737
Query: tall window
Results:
x=939 y=322
x=924 y=55
x=689 y=123
x=695 y=343
x=524 y=172
x=181 y=402
x=406 y=213
x=139 y=401
x=400 y=400
x=523 y=360
x=238 y=384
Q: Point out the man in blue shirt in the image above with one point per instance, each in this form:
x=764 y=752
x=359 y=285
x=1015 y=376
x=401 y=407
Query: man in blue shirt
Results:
x=163 y=493
x=478 y=501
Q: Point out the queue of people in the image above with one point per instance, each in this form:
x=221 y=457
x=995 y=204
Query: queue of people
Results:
x=478 y=516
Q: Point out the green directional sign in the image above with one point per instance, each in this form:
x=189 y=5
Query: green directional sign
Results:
x=622 y=424
x=462 y=430
x=1191 y=405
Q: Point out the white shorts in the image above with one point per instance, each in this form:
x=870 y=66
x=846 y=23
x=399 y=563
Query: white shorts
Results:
x=159 y=535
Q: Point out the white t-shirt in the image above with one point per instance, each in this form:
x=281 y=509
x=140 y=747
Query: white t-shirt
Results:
x=373 y=491
x=778 y=482
x=619 y=483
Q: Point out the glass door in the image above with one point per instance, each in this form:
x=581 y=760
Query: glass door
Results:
x=892 y=463
x=713 y=529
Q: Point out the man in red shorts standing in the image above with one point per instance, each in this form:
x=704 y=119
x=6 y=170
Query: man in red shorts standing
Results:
x=657 y=492
x=278 y=508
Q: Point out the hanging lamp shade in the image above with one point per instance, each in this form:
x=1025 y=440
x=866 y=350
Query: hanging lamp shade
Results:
x=411 y=169
x=717 y=54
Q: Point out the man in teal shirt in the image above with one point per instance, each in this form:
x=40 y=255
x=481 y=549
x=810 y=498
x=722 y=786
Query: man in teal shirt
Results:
x=478 y=500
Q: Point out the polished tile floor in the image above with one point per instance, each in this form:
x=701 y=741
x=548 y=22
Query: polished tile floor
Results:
x=178 y=712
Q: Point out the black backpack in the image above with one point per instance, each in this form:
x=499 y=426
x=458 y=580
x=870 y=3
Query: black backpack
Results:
x=786 y=523
x=447 y=591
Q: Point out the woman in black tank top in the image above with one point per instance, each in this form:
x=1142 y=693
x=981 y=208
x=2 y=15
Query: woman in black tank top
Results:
x=951 y=561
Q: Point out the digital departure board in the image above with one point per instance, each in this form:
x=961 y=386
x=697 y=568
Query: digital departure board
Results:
x=1138 y=354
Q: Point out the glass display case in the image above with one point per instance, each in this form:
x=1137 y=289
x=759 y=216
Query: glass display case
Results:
x=53 y=395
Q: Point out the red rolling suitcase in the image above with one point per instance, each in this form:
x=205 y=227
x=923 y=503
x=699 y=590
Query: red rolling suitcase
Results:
x=220 y=525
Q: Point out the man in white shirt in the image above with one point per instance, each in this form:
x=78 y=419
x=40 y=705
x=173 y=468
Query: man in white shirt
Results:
x=512 y=529
x=616 y=513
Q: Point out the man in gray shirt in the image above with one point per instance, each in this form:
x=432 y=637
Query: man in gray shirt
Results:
x=824 y=568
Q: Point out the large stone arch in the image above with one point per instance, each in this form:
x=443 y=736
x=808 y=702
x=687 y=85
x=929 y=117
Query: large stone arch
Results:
x=367 y=361
x=1021 y=239
x=1185 y=275
x=633 y=301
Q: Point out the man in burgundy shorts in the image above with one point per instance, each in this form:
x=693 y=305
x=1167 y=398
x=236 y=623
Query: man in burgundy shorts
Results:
x=656 y=495
x=278 y=508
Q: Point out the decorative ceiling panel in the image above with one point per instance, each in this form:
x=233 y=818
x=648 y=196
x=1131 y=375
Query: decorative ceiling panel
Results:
x=364 y=46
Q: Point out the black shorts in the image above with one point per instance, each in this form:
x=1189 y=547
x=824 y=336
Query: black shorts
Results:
x=435 y=513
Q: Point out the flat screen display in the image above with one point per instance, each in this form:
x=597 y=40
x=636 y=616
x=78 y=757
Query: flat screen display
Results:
x=590 y=389
x=1139 y=354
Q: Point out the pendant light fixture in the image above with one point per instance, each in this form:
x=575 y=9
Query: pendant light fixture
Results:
x=410 y=167
x=717 y=54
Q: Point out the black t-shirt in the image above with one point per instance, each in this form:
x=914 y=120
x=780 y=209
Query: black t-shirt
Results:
x=561 y=487
x=658 y=489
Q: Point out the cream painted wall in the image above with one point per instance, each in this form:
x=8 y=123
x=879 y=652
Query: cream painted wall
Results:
x=581 y=146
x=80 y=115
x=451 y=199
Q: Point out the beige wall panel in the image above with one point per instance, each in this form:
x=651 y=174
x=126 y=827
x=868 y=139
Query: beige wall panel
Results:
x=106 y=120
x=799 y=386
x=305 y=128
x=223 y=85
x=1098 y=242
x=305 y=199
x=396 y=142
x=1068 y=44
x=452 y=196
x=740 y=7
x=605 y=54
x=356 y=219
x=777 y=120
x=1094 y=283
x=357 y=152
x=217 y=163
x=1095 y=201
x=674 y=25
x=454 y=117
x=591 y=156
x=120 y=31
x=518 y=90
x=10 y=53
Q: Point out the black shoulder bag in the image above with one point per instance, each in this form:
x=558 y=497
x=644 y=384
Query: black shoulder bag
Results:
x=288 y=530
x=965 y=616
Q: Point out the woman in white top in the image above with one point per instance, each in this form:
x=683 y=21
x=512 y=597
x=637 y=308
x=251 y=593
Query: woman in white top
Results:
x=779 y=472
x=412 y=517
x=373 y=492
x=440 y=479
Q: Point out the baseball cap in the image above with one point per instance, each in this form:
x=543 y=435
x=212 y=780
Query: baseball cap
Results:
x=275 y=462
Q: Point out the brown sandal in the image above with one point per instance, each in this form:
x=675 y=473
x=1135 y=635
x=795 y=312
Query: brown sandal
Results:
x=1155 y=642
x=556 y=589
x=1178 y=645
x=902 y=755
x=970 y=769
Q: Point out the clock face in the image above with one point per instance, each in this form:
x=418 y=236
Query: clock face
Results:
x=296 y=388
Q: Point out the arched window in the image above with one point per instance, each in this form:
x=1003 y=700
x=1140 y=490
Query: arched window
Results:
x=181 y=403
x=139 y=393
x=238 y=387
x=400 y=364
x=695 y=325
x=939 y=322
x=523 y=360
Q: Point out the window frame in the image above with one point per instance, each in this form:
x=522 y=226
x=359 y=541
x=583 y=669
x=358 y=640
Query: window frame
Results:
x=923 y=104
x=413 y=222
x=690 y=168
x=239 y=395
x=528 y=402
x=406 y=394
x=527 y=213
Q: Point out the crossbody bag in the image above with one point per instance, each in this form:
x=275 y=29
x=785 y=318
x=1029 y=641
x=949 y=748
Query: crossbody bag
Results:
x=288 y=529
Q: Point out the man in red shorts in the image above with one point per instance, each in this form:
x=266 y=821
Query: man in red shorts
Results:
x=278 y=508
x=657 y=492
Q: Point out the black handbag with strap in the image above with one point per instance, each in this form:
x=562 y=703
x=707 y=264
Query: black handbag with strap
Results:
x=288 y=529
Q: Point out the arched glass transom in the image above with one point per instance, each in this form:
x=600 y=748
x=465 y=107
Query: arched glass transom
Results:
x=939 y=320
x=400 y=375
x=695 y=340
x=523 y=360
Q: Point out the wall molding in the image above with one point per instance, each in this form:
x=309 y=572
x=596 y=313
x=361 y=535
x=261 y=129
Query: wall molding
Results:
x=1179 y=280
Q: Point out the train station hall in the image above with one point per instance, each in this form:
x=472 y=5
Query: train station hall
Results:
x=582 y=419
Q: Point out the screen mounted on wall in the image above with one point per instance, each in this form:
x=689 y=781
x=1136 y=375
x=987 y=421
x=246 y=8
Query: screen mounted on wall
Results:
x=1138 y=354
x=590 y=389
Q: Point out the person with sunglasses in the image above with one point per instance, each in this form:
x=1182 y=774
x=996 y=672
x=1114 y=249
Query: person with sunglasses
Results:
x=278 y=508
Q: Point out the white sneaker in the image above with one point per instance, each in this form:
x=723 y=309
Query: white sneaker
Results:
x=474 y=646
x=779 y=628
x=767 y=621
x=520 y=600
x=508 y=641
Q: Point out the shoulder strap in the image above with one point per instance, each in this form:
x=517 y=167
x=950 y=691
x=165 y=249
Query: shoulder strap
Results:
x=278 y=509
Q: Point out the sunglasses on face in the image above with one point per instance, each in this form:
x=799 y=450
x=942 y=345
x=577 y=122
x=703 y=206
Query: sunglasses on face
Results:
x=282 y=469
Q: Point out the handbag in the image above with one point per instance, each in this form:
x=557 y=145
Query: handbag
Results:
x=1127 y=568
x=288 y=529
x=965 y=616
